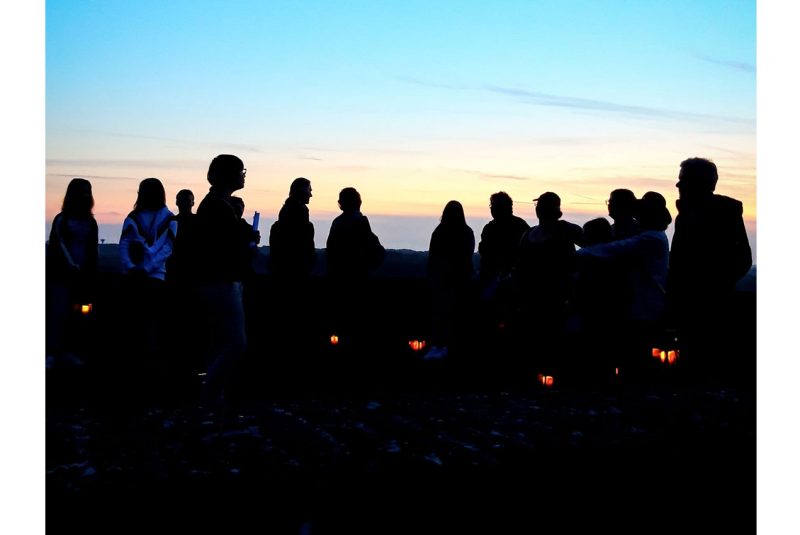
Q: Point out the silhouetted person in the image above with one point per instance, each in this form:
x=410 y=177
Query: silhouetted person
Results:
x=622 y=208
x=596 y=231
x=292 y=257
x=710 y=253
x=449 y=272
x=545 y=267
x=499 y=240
x=351 y=251
x=71 y=266
x=220 y=263
x=352 y=248
x=249 y=236
x=644 y=259
x=176 y=264
x=146 y=242
x=291 y=238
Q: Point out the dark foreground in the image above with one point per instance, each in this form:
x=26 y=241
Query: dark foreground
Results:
x=315 y=440
x=630 y=459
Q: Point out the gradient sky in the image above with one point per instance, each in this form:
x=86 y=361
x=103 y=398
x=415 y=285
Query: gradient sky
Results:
x=413 y=103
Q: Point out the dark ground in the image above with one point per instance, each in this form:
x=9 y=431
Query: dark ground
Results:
x=317 y=440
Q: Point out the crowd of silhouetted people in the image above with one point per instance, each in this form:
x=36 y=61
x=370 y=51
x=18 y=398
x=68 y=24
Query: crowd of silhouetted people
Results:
x=609 y=289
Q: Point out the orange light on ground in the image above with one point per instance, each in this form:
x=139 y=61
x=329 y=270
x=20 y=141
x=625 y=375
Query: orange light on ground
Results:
x=656 y=352
x=83 y=309
x=416 y=345
x=545 y=380
x=334 y=339
x=672 y=356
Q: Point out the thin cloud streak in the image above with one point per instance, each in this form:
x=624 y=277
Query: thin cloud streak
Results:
x=217 y=146
x=577 y=103
x=559 y=101
x=730 y=64
x=94 y=177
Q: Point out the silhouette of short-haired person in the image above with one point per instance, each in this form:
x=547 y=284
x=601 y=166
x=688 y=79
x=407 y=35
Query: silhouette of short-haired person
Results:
x=450 y=271
x=499 y=240
x=71 y=266
x=622 y=208
x=352 y=250
x=176 y=264
x=249 y=236
x=643 y=259
x=146 y=242
x=710 y=253
x=291 y=238
x=221 y=260
x=545 y=266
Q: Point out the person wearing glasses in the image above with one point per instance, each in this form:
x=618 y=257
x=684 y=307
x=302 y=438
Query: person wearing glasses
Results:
x=219 y=262
x=621 y=208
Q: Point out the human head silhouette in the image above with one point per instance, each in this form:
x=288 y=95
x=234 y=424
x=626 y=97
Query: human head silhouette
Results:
x=621 y=204
x=501 y=205
x=596 y=231
x=226 y=171
x=349 y=200
x=301 y=190
x=151 y=195
x=453 y=214
x=652 y=212
x=697 y=179
x=78 y=200
x=548 y=207
x=184 y=200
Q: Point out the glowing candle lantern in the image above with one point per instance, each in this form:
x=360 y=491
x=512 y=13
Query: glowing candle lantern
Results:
x=672 y=356
x=416 y=345
x=334 y=339
x=85 y=309
x=616 y=371
x=656 y=352
x=545 y=380
x=663 y=356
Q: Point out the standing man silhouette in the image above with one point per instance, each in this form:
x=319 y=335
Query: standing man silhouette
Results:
x=710 y=253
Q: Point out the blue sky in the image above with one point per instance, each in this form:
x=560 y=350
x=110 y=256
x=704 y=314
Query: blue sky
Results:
x=414 y=103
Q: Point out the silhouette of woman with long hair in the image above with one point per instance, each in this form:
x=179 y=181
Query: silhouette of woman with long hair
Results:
x=71 y=265
x=146 y=242
x=450 y=271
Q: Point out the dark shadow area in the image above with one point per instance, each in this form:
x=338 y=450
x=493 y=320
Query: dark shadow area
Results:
x=319 y=437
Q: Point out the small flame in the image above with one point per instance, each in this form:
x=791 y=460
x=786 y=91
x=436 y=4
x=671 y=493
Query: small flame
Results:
x=672 y=356
x=416 y=345
x=546 y=380
x=656 y=352
x=85 y=309
x=334 y=339
x=663 y=356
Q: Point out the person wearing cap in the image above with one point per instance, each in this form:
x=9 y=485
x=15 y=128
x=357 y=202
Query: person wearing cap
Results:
x=710 y=253
x=545 y=266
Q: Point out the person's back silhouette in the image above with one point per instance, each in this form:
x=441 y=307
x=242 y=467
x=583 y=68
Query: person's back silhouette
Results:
x=71 y=265
x=500 y=240
x=449 y=272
